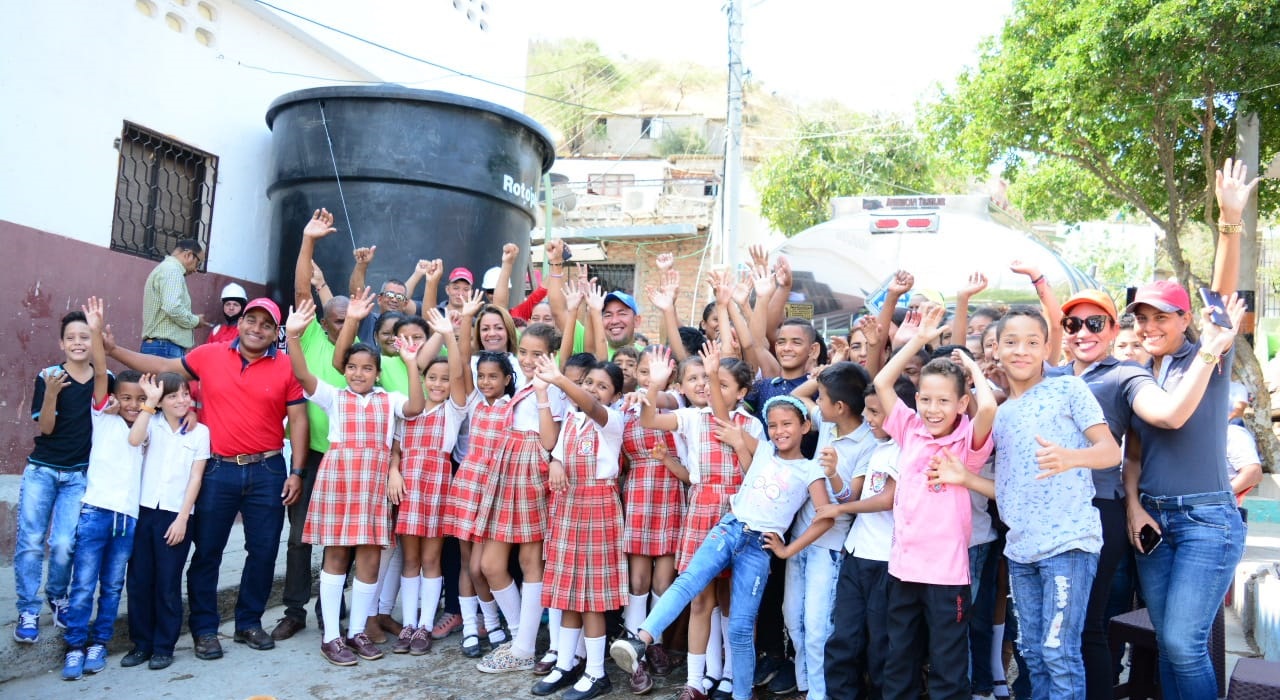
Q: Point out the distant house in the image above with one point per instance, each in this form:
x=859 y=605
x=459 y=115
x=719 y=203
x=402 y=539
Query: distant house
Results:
x=638 y=135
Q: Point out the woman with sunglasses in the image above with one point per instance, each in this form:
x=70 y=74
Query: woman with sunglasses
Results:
x=1179 y=439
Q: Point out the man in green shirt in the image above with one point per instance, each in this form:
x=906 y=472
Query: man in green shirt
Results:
x=168 y=324
x=317 y=348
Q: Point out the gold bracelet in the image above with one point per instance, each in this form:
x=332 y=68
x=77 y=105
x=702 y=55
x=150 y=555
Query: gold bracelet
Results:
x=1207 y=357
x=149 y=409
x=1230 y=229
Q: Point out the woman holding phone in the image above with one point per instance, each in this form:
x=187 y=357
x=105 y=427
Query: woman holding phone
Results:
x=1181 y=491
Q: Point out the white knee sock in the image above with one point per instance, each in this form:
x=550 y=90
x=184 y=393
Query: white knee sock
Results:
x=331 y=604
x=726 y=672
x=470 y=607
x=567 y=647
x=429 y=600
x=697 y=669
x=595 y=662
x=715 y=647
x=553 y=633
x=530 y=614
x=363 y=598
x=492 y=624
x=637 y=610
x=508 y=600
x=411 y=585
x=389 y=579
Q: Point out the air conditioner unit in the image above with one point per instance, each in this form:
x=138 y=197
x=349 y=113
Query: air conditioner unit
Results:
x=636 y=200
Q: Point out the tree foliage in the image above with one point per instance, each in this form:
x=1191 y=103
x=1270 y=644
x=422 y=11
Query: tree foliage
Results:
x=680 y=142
x=857 y=155
x=1140 y=96
x=580 y=79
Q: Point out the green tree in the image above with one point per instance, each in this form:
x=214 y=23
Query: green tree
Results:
x=674 y=142
x=580 y=79
x=859 y=155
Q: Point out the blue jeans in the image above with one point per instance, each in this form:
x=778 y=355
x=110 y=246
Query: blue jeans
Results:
x=1184 y=580
x=252 y=491
x=807 y=602
x=162 y=348
x=104 y=541
x=1052 y=597
x=48 y=504
x=729 y=543
x=155 y=584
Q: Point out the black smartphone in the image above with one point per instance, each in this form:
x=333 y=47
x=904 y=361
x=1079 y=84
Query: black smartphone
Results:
x=1217 y=308
x=568 y=252
x=1149 y=539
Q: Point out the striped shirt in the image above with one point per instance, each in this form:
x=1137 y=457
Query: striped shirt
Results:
x=166 y=305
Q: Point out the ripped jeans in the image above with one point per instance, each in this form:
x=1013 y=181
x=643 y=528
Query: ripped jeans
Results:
x=730 y=543
x=1052 y=597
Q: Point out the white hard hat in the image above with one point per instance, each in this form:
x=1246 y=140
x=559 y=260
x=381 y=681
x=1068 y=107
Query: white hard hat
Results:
x=234 y=291
x=490 y=280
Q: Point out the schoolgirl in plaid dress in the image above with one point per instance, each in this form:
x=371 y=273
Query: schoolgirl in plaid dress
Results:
x=513 y=509
x=489 y=390
x=425 y=444
x=715 y=472
x=586 y=572
x=348 y=506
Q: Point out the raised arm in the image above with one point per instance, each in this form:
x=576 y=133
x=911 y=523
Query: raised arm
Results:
x=299 y=318
x=467 y=323
x=778 y=305
x=874 y=334
x=660 y=368
x=360 y=307
x=1171 y=409
x=766 y=288
x=984 y=414
x=931 y=316
x=572 y=299
x=711 y=361
x=320 y=286
x=548 y=426
x=901 y=283
x=460 y=379
x=960 y=320
x=595 y=338
x=94 y=315
x=502 y=288
x=554 y=280
x=1232 y=189
x=663 y=298
x=153 y=390
x=417 y=402
x=548 y=372
x=419 y=273
x=431 y=290
x=320 y=225
x=1048 y=304
x=363 y=257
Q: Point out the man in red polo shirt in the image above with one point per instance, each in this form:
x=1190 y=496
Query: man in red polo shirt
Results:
x=248 y=390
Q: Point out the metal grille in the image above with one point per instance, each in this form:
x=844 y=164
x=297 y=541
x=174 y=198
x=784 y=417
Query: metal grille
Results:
x=614 y=278
x=1268 y=303
x=164 y=194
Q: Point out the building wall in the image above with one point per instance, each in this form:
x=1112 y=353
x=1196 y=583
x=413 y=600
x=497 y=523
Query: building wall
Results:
x=43 y=276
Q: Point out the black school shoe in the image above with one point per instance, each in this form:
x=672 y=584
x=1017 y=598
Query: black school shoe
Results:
x=137 y=657
x=566 y=679
x=599 y=686
x=159 y=663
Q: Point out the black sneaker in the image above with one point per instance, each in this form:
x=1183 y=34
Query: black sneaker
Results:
x=627 y=652
x=137 y=657
x=785 y=681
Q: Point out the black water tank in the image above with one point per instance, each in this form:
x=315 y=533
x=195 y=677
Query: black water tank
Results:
x=425 y=174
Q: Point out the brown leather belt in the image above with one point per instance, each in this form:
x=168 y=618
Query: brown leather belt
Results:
x=243 y=460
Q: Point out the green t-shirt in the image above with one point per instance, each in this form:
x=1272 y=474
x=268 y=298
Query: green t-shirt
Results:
x=395 y=376
x=318 y=352
x=579 y=345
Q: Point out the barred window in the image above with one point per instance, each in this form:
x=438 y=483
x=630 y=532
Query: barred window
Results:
x=614 y=277
x=164 y=194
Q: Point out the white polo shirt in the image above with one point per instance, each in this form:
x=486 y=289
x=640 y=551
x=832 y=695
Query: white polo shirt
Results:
x=167 y=466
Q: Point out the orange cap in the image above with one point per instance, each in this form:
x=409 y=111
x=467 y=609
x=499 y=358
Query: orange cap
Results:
x=1091 y=296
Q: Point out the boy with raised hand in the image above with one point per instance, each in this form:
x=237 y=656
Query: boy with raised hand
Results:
x=54 y=479
x=109 y=514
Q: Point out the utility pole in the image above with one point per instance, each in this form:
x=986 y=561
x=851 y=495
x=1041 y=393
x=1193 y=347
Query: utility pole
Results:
x=1247 y=152
x=733 y=141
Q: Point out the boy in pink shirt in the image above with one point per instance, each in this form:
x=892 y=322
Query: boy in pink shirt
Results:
x=928 y=587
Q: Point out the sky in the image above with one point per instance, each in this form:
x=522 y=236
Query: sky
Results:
x=869 y=55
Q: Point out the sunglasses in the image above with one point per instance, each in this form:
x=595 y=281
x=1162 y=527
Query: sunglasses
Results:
x=1095 y=324
x=394 y=296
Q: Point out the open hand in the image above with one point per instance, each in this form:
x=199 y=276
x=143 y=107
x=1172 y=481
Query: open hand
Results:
x=300 y=317
x=977 y=282
x=94 y=314
x=152 y=388
x=473 y=304
x=1233 y=190
x=320 y=225
x=361 y=305
x=660 y=367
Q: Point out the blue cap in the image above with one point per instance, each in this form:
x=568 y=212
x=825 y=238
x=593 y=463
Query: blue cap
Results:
x=625 y=298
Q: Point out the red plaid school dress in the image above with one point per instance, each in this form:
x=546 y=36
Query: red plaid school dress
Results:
x=586 y=570
x=349 y=500
x=488 y=426
x=653 y=497
x=719 y=476
x=514 y=508
x=424 y=464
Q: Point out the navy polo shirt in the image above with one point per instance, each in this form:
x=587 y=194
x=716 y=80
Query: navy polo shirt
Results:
x=1114 y=384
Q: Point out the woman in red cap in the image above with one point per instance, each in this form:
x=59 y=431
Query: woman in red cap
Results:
x=1181 y=491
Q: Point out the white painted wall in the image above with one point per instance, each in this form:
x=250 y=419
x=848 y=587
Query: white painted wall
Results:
x=72 y=73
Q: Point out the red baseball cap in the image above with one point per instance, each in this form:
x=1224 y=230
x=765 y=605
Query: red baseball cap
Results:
x=1166 y=295
x=1096 y=297
x=266 y=305
x=462 y=273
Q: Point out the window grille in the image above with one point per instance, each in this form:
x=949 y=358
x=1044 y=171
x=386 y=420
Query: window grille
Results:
x=164 y=194
x=614 y=277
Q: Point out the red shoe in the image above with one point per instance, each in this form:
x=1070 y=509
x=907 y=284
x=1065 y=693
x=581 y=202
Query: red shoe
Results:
x=448 y=624
x=337 y=653
x=421 y=642
x=691 y=693
x=364 y=647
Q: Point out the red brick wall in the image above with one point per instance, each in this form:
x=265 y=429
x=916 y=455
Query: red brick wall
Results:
x=688 y=254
